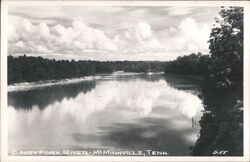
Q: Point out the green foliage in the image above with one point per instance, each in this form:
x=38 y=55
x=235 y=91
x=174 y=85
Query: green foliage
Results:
x=222 y=122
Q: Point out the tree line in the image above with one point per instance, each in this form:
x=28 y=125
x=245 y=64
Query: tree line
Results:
x=193 y=64
x=28 y=69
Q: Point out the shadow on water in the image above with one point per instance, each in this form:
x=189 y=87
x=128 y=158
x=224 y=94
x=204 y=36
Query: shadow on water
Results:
x=146 y=134
x=45 y=96
x=184 y=82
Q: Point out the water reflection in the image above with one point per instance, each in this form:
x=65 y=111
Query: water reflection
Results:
x=154 y=133
x=134 y=77
x=133 y=112
x=187 y=83
x=45 y=96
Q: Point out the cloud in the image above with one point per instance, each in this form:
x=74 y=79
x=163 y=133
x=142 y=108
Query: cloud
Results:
x=37 y=11
x=179 y=11
x=197 y=35
x=101 y=32
x=29 y=38
x=26 y=37
x=188 y=36
x=139 y=38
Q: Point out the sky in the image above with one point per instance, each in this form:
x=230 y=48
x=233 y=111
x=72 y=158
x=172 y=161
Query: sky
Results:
x=109 y=32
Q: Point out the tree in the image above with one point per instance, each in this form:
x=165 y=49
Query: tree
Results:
x=222 y=127
x=193 y=64
x=226 y=48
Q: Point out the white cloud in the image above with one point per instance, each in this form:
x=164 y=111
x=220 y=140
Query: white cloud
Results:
x=56 y=39
x=111 y=31
x=12 y=35
x=189 y=36
x=139 y=38
x=179 y=11
x=141 y=31
x=78 y=38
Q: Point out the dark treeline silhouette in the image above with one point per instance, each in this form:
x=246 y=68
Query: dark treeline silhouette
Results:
x=222 y=121
x=28 y=69
x=193 y=64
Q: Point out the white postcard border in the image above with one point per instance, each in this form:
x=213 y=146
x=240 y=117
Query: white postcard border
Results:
x=4 y=117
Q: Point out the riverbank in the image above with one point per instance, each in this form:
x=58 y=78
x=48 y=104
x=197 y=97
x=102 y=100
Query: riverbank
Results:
x=24 y=86
x=32 y=85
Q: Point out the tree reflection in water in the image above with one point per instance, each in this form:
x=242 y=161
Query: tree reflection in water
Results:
x=43 y=97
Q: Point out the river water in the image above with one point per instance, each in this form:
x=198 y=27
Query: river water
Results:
x=114 y=112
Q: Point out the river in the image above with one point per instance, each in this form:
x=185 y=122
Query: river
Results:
x=113 y=112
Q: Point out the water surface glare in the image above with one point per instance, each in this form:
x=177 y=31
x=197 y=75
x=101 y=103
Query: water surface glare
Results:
x=131 y=112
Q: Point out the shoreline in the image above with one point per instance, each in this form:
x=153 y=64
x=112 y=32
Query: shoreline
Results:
x=23 y=86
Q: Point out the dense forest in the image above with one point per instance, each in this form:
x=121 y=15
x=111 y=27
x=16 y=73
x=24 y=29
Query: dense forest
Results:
x=28 y=69
x=222 y=122
x=193 y=64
